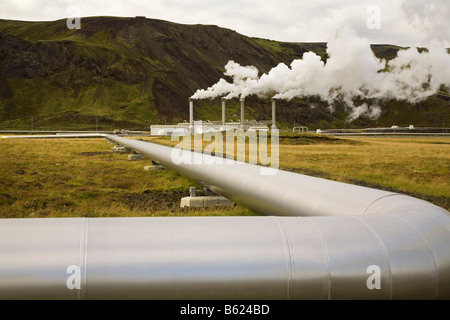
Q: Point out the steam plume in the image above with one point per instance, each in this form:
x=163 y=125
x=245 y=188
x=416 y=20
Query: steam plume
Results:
x=351 y=71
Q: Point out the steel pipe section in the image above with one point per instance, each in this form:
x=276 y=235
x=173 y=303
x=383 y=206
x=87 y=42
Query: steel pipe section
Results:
x=351 y=243
x=227 y=258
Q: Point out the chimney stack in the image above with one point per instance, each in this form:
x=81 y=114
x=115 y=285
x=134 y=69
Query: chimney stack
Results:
x=191 y=116
x=243 y=113
x=223 y=112
x=274 y=114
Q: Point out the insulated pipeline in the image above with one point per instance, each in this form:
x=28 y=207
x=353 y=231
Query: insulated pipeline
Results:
x=227 y=257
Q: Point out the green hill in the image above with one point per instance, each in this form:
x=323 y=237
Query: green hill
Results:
x=131 y=73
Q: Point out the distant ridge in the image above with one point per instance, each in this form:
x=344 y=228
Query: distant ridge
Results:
x=132 y=72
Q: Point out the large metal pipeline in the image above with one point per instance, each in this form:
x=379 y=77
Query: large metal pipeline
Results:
x=360 y=243
x=280 y=194
x=227 y=258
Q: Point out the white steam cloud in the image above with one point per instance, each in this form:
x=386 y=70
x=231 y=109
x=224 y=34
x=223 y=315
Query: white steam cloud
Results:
x=351 y=71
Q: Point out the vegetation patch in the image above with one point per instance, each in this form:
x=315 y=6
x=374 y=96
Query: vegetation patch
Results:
x=307 y=139
x=153 y=201
x=92 y=154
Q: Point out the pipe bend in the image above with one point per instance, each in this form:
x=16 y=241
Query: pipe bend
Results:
x=396 y=203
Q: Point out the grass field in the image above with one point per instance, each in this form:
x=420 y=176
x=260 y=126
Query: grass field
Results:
x=82 y=178
x=418 y=167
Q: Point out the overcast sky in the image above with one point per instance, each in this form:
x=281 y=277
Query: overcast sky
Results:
x=400 y=22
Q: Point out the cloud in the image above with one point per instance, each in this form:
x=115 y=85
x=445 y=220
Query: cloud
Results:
x=431 y=18
x=283 y=20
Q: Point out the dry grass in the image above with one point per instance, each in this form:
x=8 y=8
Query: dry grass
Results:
x=420 y=167
x=81 y=178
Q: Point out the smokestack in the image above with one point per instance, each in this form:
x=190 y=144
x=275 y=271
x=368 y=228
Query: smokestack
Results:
x=191 y=116
x=274 y=114
x=223 y=112
x=243 y=113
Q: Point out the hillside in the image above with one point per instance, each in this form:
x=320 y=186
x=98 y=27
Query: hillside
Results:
x=131 y=73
